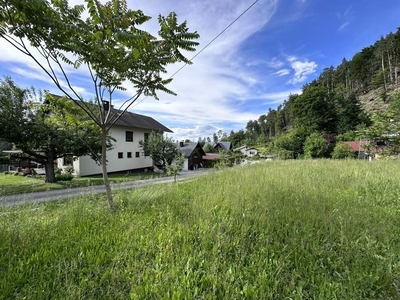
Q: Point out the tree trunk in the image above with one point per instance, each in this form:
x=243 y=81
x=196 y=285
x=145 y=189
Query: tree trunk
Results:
x=104 y=168
x=384 y=75
x=50 y=176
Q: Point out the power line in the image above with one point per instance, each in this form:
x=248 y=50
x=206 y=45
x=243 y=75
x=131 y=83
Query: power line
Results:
x=216 y=37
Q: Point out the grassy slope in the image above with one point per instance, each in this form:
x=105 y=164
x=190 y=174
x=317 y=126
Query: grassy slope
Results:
x=10 y=184
x=280 y=230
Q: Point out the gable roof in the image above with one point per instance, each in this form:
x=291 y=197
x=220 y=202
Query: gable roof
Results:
x=224 y=145
x=134 y=120
x=139 y=121
x=187 y=148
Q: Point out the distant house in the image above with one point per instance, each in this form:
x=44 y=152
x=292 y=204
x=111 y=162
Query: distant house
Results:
x=247 y=151
x=359 y=149
x=193 y=154
x=126 y=155
x=227 y=146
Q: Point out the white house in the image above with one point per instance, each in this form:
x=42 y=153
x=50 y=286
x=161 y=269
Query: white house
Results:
x=126 y=155
x=247 y=151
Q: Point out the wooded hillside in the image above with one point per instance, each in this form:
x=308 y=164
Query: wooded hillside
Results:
x=338 y=105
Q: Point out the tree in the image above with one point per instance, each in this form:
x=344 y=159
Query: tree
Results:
x=40 y=127
x=109 y=43
x=342 y=151
x=386 y=127
x=176 y=166
x=315 y=146
x=161 y=149
x=314 y=110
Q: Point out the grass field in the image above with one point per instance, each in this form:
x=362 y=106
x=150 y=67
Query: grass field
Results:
x=10 y=184
x=277 y=230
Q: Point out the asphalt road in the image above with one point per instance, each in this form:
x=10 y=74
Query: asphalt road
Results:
x=31 y=198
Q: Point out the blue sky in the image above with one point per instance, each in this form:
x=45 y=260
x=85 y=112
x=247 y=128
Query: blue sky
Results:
x=270 y=52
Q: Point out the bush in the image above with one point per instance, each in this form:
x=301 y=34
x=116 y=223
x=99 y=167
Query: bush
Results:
x=315 y=146
x=342 y=151
x=57 y=171
x=64 y=177
x=69 y=170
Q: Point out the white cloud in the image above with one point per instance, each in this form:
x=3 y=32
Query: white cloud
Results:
x=302 y=69
x=282 y=72
x=209 y=90
x=343 y=26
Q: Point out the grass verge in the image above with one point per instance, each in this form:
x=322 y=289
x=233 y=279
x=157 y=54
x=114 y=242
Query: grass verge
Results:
x=10 y=185
x=279 y=230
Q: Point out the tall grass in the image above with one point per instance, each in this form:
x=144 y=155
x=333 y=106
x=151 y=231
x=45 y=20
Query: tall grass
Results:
x=279 y=230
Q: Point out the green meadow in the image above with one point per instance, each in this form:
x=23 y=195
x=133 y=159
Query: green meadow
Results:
x=307 y=229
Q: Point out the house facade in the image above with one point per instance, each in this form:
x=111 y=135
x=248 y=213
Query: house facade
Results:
x=193 y=154
x=247 y=151
x=126 y=155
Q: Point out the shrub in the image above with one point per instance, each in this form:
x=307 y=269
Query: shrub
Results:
x=57 y=171
x=64 y=177
x=69 y=170
x=342 y=151
x=315 y=146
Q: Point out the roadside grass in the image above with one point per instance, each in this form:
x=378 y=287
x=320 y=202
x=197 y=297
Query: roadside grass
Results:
x=10 y=185
x=314 y=229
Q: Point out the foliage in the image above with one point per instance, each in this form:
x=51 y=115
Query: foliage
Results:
x=314 y=110
x=342 y=151
x=208 y=148
x=38 y=126
x=69 y=170
x=64 y=177
x=290 y=145
x=347 y=136
x=386 y=127
x=175 y=166
x=161 y=149
x=110 y=43
x=330 y=234
x=315 y=146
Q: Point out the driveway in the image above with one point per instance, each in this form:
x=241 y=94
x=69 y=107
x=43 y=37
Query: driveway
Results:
x=38 y=197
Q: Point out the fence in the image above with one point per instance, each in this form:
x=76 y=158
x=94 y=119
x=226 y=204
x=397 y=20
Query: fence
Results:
x=3 y=168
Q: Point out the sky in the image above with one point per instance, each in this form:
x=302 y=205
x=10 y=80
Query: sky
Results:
x=268 y=53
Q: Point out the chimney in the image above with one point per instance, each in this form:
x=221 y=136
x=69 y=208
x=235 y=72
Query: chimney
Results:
x=106 y=105
x=182 y=144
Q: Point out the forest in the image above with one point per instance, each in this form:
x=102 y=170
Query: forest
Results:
x=331 y=108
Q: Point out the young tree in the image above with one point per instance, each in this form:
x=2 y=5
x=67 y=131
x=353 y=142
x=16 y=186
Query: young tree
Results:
x=161 y=149
x=315 y=145
x=43 y=130
x=176 y=166
x=109 y=44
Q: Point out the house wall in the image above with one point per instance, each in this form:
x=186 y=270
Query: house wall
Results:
x=251 y=152
x=185 y=164
x=84 y=165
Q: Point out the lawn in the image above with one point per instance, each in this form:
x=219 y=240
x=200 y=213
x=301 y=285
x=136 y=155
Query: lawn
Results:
x=277 y=230
x=10 y=184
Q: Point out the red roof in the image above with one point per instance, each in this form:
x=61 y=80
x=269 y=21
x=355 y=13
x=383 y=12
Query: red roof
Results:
x=357 y=146
x=211 y=156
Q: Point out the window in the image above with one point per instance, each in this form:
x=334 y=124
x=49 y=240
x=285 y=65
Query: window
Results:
x=129 y=154
x=137 y=154
x=146 y=136
x=120 y=155
x=129 y=136
x=67 y=161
